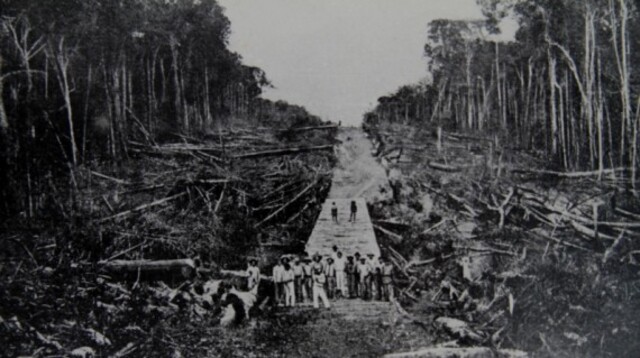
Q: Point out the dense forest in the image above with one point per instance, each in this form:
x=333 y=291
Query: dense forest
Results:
x=80 y=79
x=565 y=86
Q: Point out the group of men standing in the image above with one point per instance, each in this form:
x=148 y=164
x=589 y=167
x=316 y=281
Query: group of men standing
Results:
x=319 y=279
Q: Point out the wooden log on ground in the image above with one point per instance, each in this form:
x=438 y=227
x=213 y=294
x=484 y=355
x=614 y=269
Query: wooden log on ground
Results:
x=396 y=238
x=304 y=191
x=459 y=352
x=184 y=268
x=444 y=167
x=304 y=129
x=283 y=151
x=142 y=207
x=567 y=174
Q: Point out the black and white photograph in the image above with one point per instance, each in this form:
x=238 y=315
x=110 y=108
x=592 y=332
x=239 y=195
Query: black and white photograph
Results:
x=319 y=178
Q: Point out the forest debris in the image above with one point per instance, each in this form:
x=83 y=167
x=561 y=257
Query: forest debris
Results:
x=397 y=238
x=142 y=207
x=97 y=337
x=283 y=151
x=125 y=351
x=457 y=328
x=103 y=176
x=435 y=226
x=568 y=174
x=298 y=196
x=309 y=128
x=444 y=167
x=83 y=352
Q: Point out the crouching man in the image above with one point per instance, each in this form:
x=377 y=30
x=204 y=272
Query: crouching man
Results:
x=235 y=304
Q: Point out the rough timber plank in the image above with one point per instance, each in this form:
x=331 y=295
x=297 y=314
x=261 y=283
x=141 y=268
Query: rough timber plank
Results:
x=349 y=237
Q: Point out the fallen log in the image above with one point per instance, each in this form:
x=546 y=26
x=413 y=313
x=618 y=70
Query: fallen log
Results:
x=304 y=129
x=142 y=207
x=459 y=352
x=182 y=267
x=593 y=234
x=103 y=176
x=444 y=167
x=272 y=215
x=283 y=151
x=567 y=174
x=397 y=238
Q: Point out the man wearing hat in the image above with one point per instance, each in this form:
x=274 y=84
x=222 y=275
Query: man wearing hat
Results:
x=387 y=279
x=341 y=282
x=298 y=271
x=288 y=277
x=330 y=272
x=351 y=272
x=357 y=277
x=307 y=282
x=254 y=276
x=319 y=280
x=278 y=270
x=371 y=283
x=363 y=278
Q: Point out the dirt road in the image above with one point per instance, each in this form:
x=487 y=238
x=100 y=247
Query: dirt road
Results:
x=358 y=174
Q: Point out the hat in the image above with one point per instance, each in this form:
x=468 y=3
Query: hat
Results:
x=370 y=255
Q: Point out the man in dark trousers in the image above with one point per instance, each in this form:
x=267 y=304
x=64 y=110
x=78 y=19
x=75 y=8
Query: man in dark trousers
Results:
x=334 y=212
x=354 y=210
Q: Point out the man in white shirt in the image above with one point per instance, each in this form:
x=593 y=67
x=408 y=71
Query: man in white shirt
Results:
x=319 y=279
x=363 y=278
x=341 y=283
x=330 y=273
x=372 y=284
x=298 y=271
x=254 y=276
x=278 y=283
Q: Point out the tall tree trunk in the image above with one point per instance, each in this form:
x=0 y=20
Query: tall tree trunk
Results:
x=62 y=67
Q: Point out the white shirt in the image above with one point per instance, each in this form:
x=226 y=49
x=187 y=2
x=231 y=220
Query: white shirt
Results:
x=339 y=263
x=278 y=270
x=254 y=275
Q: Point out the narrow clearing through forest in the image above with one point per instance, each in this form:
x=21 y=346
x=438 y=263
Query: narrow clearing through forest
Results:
x=352 y=327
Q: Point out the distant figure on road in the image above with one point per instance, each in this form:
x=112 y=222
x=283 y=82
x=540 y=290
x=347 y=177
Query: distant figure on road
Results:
x=354 y=210
x=334 y=212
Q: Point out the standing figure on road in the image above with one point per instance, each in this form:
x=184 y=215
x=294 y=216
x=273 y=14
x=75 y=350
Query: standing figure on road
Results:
x=330 y=272
x=319 y=280
x=351 y=271
x=298 y=271
x=387 y=280
x=357 y=278
x=288 y=278
x=254 y=276
x=307 y=281
x=341 y=284
x=372 y=287
x=278 y=270
x=334 y=212
x=363 y=278
x=354 y=210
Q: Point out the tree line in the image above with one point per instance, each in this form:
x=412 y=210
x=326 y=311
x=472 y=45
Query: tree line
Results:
x=79 y=79
x=565 y=86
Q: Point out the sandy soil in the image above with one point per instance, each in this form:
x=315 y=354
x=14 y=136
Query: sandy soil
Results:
x=358 y=173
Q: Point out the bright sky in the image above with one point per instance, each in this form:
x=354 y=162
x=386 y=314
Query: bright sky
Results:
x=336 y=57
